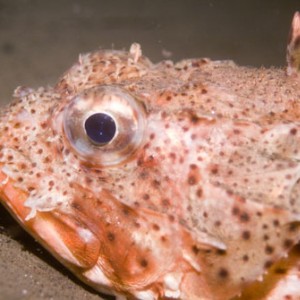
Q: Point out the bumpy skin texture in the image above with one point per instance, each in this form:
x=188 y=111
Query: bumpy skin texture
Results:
x=201 y=200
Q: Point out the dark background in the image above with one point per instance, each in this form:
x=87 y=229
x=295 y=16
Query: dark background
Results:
x=40 y=39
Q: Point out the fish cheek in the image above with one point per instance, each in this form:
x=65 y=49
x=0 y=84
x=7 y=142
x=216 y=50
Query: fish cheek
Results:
x=68 y=238
x=131 y=253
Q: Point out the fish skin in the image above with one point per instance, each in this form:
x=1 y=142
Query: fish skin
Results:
x=197 y=195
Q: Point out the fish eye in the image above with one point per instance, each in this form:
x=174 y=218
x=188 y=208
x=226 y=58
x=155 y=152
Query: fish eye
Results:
x=100 y=128
x=104 y=124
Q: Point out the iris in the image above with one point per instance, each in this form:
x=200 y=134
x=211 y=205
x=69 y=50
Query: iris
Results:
x=100 y=128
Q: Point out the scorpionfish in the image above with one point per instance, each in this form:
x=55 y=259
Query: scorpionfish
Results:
x=162 y=181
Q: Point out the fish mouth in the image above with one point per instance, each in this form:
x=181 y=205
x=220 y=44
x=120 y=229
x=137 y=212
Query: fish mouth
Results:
x=74 y=247
x=46 y=227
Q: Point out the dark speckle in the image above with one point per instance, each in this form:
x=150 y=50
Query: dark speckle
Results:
x=126 y=211
x=146 y=197
x=223 y=273
x=280 y=270
x=156 y=227
x=293 y=227
x=110 y=236
x=194 y=119
x=245 y=258
x=269 y=249
x=220 y=252
x=143 y=263
x=244 y=217
x=195 y=249
x=218 y=223
x=287 y=243
x=246 y=235
x=235 y=210
x=192 y=180
x=155 y=183
x=268 y=264
x=293 y=131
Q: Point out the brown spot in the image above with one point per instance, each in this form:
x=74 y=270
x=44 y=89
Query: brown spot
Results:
x=146 y=197
x=155 y=183
x=156 y=227
x=137 y=224
x=23 y=166
x=172 y=155
x=280 y=270
x=293 y=227
x=51 y=183
x=194 y=119
x=214 y=170
x=235 y=211
x=171 y=218
x=165 y=202
x=192 y=180
x=110 y=236
x=163 y=238
x=143 y=175
x=246 y=235
x=218 y=223
x=244 y=217
x=223 y=273
x=199 y=192
x=268 y=264
x=220 y=252
x=126 y=211
x=288 y=243
x=44 y=125
x=193 y=166
x=47 y=159
x=269 y=249
x=143 y=263
x=245 y=257
x=293 y=131
x=195 y=249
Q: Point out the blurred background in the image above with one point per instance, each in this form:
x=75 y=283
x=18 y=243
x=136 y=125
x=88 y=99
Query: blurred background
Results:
x=40 y=39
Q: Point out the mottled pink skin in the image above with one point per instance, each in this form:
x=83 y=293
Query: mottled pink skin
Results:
x=204 y=204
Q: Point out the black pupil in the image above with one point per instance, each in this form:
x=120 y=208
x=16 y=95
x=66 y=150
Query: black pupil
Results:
x=100 y=128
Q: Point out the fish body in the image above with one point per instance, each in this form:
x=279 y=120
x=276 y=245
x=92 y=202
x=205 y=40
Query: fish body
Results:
x=158 y=181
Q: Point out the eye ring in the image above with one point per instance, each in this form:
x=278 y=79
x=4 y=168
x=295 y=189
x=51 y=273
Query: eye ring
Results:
x=114 y=104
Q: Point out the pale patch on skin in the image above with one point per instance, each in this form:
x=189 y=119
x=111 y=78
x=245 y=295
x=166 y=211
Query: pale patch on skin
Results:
x=195 y=195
